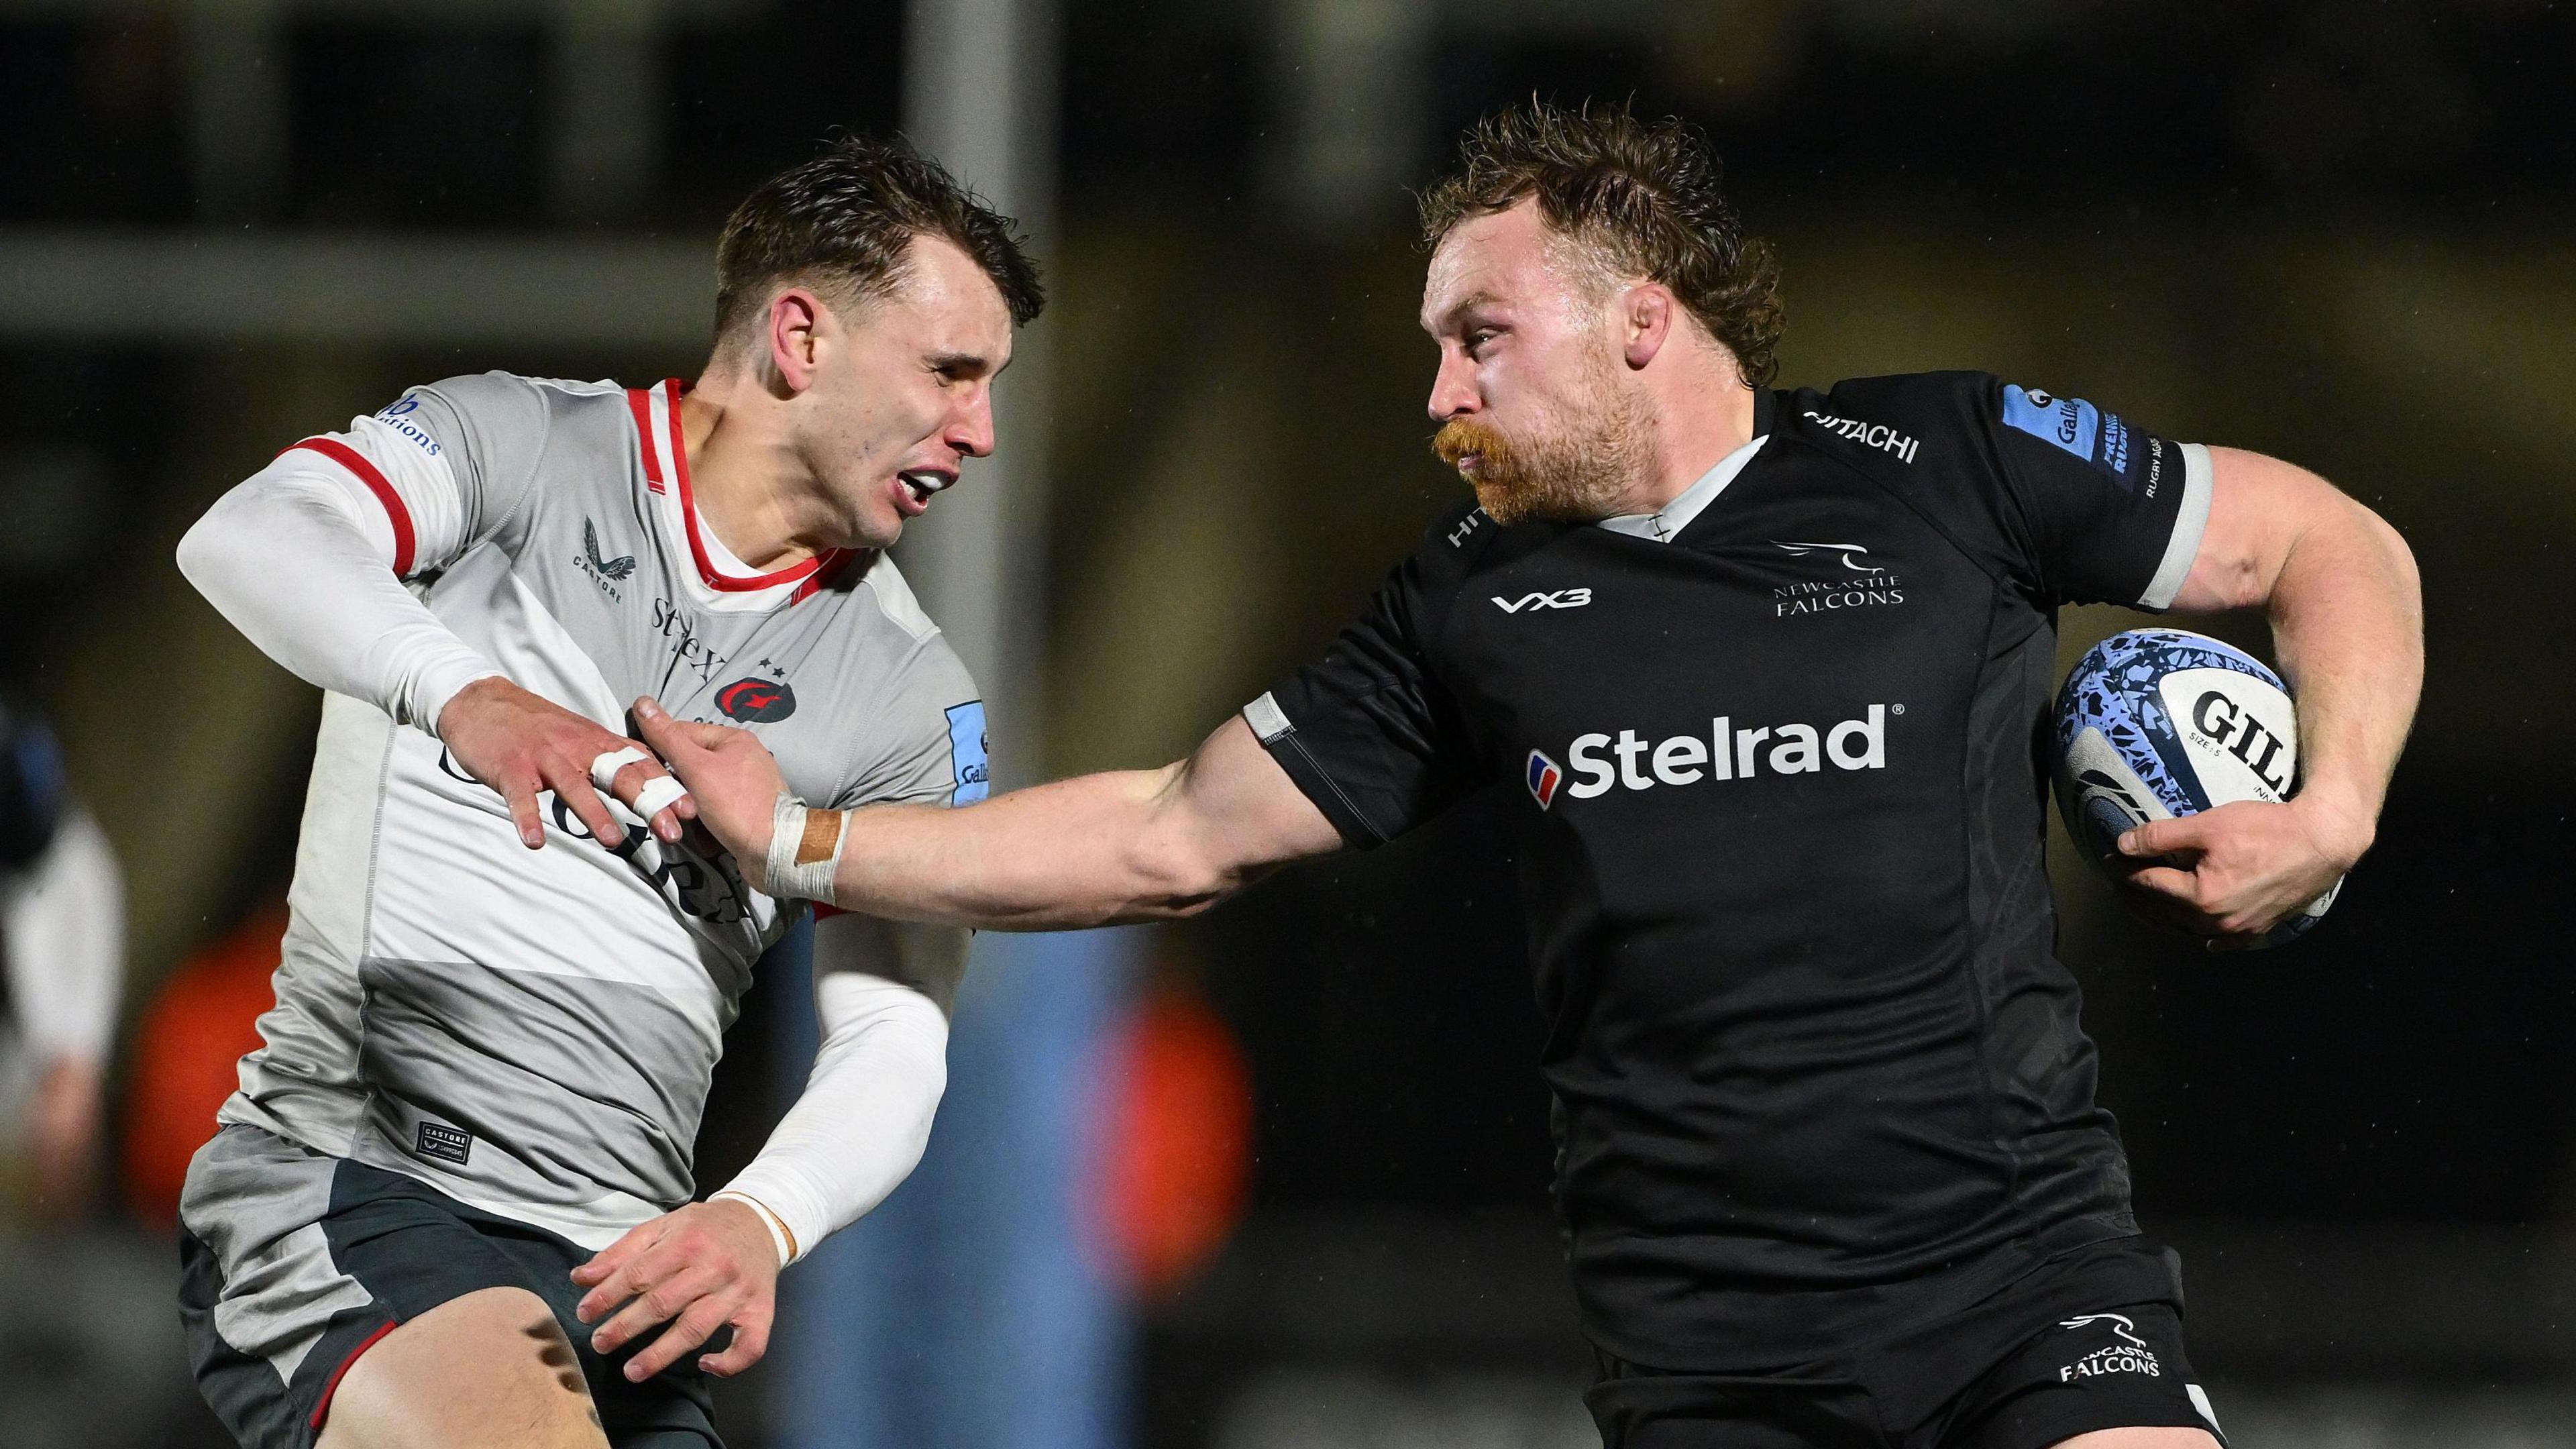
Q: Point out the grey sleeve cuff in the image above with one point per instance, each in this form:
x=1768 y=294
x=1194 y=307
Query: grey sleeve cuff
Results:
x=2189 y=524
x=1267 y=719
x=1278 y=735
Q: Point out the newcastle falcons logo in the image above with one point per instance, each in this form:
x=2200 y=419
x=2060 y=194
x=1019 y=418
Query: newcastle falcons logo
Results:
x=2121 y=1324
x=1847 y=550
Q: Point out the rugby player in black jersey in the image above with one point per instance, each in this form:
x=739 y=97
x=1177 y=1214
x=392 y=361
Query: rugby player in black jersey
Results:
x=1768 y=672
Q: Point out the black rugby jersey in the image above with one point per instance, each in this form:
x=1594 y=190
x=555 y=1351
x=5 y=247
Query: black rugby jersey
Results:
x=1817 y=1070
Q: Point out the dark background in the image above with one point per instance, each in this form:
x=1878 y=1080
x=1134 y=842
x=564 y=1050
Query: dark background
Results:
x=2337 y=233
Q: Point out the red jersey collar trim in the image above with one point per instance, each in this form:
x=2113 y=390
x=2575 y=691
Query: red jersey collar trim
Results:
x=641 y=399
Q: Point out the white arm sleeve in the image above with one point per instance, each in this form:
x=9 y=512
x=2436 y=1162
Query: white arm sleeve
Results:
x=64 y=923
x=859 y=1128
x=301 y=559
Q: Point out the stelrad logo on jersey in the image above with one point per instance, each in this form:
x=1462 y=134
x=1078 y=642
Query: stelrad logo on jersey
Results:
x=1601 y=762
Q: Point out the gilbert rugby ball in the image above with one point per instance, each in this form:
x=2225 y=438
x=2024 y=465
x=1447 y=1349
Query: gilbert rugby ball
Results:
x=2155 y=723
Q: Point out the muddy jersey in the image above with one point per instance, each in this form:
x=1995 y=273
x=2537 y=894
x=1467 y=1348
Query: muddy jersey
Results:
x=1816 y=1066
x=533 y=1032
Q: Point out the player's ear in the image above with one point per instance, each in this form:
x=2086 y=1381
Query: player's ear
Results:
x=796 y=317
x=1646 y=323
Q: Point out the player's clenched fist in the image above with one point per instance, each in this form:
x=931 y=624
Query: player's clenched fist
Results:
x=733 y=782
x=708 y=1266
x=521 y=744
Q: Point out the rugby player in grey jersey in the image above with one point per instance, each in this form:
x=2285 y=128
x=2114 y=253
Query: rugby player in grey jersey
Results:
x=452 y=1202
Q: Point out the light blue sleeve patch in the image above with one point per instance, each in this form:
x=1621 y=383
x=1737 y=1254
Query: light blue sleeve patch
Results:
x=2070 y=423
x=966 y=748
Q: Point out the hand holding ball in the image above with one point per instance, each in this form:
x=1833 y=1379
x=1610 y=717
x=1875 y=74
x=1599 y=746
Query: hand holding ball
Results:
x=2158 y=723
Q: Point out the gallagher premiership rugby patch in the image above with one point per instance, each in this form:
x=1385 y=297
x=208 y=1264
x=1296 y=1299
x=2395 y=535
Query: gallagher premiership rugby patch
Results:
x=2076 y=426
x=966 y=748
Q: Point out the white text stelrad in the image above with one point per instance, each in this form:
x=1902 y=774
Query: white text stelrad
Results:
x=1630 y=762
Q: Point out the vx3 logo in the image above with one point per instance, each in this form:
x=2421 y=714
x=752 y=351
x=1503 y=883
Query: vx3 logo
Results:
x=1561 y=599
x=1845 y=549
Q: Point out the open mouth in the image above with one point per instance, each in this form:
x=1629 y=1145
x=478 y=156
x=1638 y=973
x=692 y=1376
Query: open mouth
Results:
x=922 y=482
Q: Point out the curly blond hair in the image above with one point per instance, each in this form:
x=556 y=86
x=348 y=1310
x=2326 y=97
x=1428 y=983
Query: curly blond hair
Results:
x=1639 y=198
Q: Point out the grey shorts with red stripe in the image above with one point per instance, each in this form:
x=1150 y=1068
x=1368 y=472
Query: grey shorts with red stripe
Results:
x=293 y=1263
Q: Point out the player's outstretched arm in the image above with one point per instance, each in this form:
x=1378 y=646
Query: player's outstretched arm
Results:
x=2347 y=614
x=1132 y=845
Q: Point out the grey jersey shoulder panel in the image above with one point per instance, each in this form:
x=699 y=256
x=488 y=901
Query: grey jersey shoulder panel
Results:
x=492 y=430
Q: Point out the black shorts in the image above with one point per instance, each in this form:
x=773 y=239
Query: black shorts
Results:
x=293 y=1263
x=2086 y=1342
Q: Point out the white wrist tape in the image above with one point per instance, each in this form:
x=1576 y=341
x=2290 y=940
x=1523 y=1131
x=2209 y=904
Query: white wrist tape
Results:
x=778 y=1237
x=804 y=850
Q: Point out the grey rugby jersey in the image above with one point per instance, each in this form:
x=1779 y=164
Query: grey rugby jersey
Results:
x=532 y=1032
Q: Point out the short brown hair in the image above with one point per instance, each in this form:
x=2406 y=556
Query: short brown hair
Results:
x=844 y=223
x=1641 y=195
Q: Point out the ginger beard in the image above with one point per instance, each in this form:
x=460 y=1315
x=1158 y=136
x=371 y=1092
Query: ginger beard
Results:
x=1584 y=464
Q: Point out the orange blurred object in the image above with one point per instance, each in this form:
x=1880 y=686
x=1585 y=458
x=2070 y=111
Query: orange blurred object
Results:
x=201 y=1023
x=1180 y=1149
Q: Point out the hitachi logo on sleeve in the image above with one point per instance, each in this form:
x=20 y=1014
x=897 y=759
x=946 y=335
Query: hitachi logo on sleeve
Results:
x=1598 y=761
x=1877 y=435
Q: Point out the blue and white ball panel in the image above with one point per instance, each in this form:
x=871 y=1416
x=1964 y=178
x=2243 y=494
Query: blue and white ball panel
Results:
x=2101 y=795
x=2156 y=723
x=2241 y=733
x=2140 y=690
